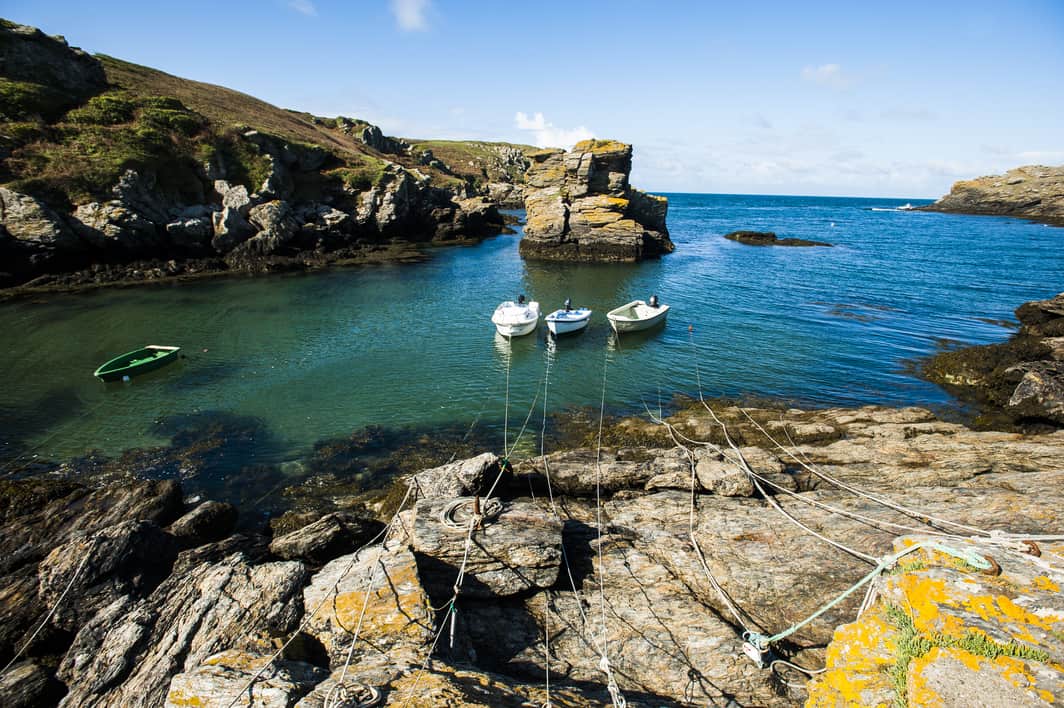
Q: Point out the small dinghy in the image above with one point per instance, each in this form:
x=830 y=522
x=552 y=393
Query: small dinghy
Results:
x=137 y=362
x=568 y=319
x=516 y=319
x=637 y=315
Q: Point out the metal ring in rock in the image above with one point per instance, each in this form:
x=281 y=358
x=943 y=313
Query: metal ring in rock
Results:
x=455 y=521
x=352 y=695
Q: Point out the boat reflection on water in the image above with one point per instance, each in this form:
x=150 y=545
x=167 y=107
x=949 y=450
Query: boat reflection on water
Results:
x=633 y=341
x=519 y=348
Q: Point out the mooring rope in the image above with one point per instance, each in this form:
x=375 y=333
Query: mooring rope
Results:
x=383 y=533
x=854 y=490
x=55 y=606
x=604 y=664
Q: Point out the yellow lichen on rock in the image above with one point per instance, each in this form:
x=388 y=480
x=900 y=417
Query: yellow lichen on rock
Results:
x=944 y=634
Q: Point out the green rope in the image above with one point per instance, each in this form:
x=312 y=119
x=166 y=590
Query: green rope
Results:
x=761 y=642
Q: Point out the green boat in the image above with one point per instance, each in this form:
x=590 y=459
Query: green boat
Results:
x=137 y=362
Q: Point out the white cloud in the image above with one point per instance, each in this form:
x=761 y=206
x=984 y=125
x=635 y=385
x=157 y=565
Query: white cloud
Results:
x=830 y=75
x=546 y=135
x=410 y=14
x=1043 y=156
x=304 y=7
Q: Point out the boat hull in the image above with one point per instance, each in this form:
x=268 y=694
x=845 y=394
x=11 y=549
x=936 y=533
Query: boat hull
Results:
x=637 y=316
x=563 y=322
x=137 y=362
x=514 y=320
x=516 y=330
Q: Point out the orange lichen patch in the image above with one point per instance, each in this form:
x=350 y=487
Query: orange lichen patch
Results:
x=923 y=594
x=1043 y=582
x=857 y=659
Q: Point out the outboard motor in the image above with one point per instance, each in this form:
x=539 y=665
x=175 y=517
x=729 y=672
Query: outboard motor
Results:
x=653 y=301
x=568 y=305
x=521 y=299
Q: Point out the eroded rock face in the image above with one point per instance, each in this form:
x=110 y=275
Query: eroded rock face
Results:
x=129 y=651
x=397 y=623
x=580 y=206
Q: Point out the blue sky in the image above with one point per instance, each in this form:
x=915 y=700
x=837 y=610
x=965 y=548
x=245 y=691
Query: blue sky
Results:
x=833 y=98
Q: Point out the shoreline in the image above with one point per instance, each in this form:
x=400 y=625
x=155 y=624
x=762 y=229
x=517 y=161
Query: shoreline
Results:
x=649 y=488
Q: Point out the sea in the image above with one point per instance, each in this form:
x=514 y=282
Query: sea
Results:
x=320 y=356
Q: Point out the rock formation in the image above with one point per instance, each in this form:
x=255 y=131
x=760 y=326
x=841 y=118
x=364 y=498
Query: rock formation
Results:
x=580 y=206
x=563 y=582
x=1032 y=192
x=205 y=192
x=1021 y=379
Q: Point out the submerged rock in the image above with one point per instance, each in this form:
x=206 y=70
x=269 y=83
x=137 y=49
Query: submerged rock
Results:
x=579 y=206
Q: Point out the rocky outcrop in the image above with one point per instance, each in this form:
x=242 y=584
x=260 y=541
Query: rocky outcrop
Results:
x=640 y=574
x=768 y=238
x=580 y=206
x=1032 y=192
x=232 y=197
x=1021 y=380
x=62 y=74
x=943 y=633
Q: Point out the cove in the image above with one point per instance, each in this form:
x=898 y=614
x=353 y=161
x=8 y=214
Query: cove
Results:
x=321 y=355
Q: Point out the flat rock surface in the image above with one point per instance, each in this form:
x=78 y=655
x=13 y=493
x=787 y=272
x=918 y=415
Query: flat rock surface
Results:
x=516 y=549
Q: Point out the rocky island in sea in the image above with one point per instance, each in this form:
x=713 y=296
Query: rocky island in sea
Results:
x=1031 y=192
x=655 y=563
x=581 y=207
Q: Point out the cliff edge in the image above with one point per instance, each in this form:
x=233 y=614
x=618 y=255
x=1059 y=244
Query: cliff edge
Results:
x=1031 y=192
x=581 y=207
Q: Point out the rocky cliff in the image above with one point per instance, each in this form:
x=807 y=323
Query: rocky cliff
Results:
x=135 y=173
x=1032 y=192
x=142 y=599
x=1019 y=381
x=580 y=206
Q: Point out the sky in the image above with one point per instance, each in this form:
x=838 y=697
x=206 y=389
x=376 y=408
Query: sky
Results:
x=812 y=98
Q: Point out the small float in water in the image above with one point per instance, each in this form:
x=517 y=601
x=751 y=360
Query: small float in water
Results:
x=136 y=362
x=568 y=319
x=638 y=315
x=516 y=319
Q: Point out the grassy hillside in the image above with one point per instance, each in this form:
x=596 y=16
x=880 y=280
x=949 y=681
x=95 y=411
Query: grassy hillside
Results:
x=70 y=146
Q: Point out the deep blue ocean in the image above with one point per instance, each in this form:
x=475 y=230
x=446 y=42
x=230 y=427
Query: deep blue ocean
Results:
x=315 y=356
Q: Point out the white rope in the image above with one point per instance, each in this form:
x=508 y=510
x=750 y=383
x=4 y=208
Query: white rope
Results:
x=604 y=664
x=326 y=598
x=746 y=467
x=55 y=606
x=927 y=518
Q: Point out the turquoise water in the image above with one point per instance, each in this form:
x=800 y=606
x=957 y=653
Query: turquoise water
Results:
x=318 y=356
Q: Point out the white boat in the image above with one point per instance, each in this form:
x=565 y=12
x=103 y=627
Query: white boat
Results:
x=566 y=321
x=516 y=319
x=637 y=315
x=906 y=207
